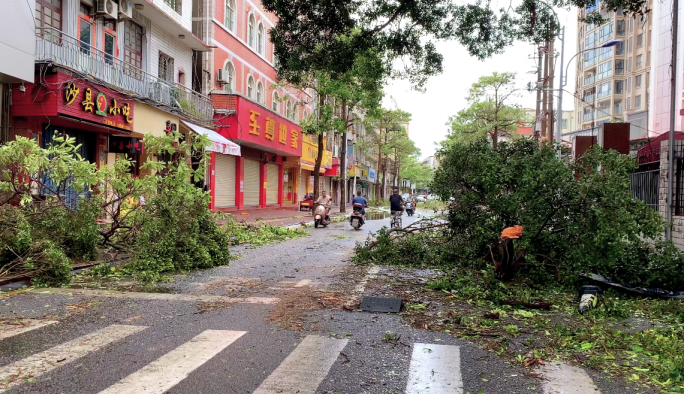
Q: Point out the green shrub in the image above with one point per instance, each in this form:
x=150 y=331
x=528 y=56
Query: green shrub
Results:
x=74 y=230
x=53 y=267
x=15 y=234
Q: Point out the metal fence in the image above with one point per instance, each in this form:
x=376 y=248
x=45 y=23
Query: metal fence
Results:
x=55 y=46
x=678 y=186
x=644 y=183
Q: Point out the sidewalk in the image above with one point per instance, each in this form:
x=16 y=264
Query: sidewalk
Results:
x=278 y=216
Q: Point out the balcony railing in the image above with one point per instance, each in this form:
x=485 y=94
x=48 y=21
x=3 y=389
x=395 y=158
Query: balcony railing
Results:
x=589 y=80
x=589 y=116
x=588 y=98
x=59 y=48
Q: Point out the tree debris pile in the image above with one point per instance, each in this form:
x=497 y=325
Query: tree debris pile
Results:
x=577 y=219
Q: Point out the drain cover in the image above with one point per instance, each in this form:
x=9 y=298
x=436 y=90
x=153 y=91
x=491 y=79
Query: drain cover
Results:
x=381 y=304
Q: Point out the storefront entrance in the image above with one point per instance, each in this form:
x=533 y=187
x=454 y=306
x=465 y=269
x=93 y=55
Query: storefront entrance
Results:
x=289 y=185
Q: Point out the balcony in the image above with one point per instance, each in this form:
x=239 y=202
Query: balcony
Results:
x=589 y=80
x=589 y=116
x=59 y=48
x=588 y=99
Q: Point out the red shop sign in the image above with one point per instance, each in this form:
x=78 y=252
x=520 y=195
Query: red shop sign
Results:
x=102 y=108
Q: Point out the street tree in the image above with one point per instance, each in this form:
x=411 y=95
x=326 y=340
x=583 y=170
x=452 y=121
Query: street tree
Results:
x=328 y=36
x=384 y=131
x=417 y=172
x=490 y=112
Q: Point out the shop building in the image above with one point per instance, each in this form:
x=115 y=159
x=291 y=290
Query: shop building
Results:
x=263 y=175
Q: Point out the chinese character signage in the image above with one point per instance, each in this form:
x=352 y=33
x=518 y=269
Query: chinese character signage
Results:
x=261 y=128
x=95 y=104
x=125 y=145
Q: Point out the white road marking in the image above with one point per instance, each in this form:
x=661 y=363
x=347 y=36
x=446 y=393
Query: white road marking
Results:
x=565 y=379
x=163 y=296
x=305 y=368
x=171 y=368
x=20 y=326
x=435 y=369
x=358 y=290
x=43 y=362
x=303 y=282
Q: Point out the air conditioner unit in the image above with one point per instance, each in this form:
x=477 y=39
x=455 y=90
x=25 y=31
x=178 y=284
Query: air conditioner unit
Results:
x=125 y=9
x=221 y=75
x=107 y=8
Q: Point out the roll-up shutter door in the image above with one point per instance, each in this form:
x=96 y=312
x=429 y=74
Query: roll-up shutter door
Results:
x=225 y=181
x=303 y=179
x=272 y=181
x=252 y=183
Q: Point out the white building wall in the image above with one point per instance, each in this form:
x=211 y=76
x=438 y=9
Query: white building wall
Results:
x=162 y=41
x=184 y=18
x=17 y=40
x=660 y=122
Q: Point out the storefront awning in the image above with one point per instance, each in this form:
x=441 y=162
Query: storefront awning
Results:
x=311 y=168
x=219 y=144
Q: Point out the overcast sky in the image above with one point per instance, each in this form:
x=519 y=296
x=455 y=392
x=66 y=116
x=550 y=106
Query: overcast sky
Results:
x=445 y=94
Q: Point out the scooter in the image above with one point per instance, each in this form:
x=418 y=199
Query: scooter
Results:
x=409 y=208
x=356 y=219
x=321 y=217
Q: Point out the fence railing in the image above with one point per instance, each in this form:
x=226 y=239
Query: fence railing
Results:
x=644 y=184
x=57 y=47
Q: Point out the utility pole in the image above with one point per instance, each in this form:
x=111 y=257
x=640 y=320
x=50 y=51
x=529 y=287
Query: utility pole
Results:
x=537 y=119
x=559 y=117
x=673 y=90
x=545 y=91
x=550 y=58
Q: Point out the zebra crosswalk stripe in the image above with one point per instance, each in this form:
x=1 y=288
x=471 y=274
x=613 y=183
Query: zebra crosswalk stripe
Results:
x=43 y=362
x=171 y=368
x=565 y=379
x=21 y=326
x=305 y=368
x=435 y=369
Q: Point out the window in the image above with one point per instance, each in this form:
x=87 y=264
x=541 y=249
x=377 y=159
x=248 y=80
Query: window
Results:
x=606 y=32
x=629 y=85
x=229 y=19
x=605 y=53
x=564 y=124
x=637 y=101
x=629 y=103
x=589 y=58
x=629 y=45
x=230 y=77
x=260 y=93
x=640 y=40
x=619 y=86
x=590 y=40
x=605 y=70
x=275 y=102
x=639 y=61
x=260 y=39
x=289 y=110
x=604 y=89
x=637 y=81
x=620 y=28
x=250 y=31
x=133 y=49
x=165 y=70
x=48 y=19
x=85 y=33
x=617 y=108
x=250 y=87
x=631 y=25
x=619 y=67
x=176 y=5
x=620 y=48
x=109 y=48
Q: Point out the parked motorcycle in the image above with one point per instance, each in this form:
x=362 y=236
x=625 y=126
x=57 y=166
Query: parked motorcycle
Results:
x=321 y=217
x=356 y=219
x=409 y=208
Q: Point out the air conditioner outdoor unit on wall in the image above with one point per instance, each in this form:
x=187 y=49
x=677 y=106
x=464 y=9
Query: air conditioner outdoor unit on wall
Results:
x=107 y=8
x=221 y=75
x=125 y=9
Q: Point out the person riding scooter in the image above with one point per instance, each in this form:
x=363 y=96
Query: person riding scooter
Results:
x=360 y=200
x=326 y=201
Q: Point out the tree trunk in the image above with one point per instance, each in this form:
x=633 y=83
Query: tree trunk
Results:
x=319 y=156
x=495 y=136
x=343 y=160
x=378 y=194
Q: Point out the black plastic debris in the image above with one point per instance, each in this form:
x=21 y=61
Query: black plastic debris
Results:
x=381 y=304
x=646 y=291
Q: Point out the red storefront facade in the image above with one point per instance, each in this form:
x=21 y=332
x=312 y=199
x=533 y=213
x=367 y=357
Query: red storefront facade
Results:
x=81 y=109
x=266 y=140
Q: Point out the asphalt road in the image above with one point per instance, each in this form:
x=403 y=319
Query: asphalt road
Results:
x=268 y=323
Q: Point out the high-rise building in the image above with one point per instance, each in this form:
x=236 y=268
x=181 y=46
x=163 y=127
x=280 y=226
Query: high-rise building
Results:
x=568 y=124
x=612 y=83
